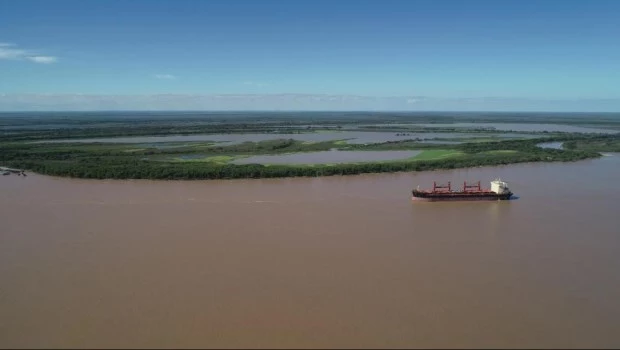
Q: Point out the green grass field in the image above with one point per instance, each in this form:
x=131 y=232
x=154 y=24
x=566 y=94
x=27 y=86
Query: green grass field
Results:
x=437 y=154
x=501 y=151
x=220 y=159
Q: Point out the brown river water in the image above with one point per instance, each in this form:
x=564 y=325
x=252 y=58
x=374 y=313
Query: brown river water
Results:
x=313 y=262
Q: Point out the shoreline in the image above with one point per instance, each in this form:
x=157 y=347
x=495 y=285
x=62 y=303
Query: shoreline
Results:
x=424 y=171
x=206 y=161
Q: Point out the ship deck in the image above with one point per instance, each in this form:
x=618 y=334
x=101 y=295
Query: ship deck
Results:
x=459 y=195
x=454 y=192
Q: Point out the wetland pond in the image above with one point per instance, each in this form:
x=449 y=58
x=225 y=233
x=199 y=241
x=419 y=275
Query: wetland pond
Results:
x=353 y=137
x=522 y=127
x=552 y=145
x=327 y=157
x=498 y=127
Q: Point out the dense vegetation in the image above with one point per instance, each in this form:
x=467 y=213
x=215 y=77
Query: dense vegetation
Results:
x=75 y=125
x=609 y=143
x=104 y=161
x=299 y=118
x=124 y=168
x=170 y=130
x=164 y=161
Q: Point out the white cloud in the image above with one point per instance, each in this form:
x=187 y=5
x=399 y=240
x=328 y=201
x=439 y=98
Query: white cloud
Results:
x=42 y=59
x=165 y=76
x=8 y=53
x=416 y=99
x=12 y=52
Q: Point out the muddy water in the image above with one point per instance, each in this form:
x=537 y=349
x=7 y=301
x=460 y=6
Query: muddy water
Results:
x=323 y=262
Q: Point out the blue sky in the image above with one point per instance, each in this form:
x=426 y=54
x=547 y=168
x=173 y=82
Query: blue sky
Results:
x=387 y=54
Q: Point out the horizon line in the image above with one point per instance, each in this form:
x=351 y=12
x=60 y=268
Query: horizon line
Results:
x=294 y=111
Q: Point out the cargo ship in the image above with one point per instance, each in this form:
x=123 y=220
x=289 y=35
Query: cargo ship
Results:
x=499 y=191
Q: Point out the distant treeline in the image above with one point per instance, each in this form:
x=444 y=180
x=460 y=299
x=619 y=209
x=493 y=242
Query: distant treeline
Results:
x=609 y=143
x=143 y=130
x=149 y=130
x=301 y=117
x=74 y=125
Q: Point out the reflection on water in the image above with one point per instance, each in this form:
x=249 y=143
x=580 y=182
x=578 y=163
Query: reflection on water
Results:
x=343 y=261
x=498 y=215
x=552 y=145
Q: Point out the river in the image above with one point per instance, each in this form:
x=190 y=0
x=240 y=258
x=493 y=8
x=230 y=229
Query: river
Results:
x=522 y=127
x=313 y=262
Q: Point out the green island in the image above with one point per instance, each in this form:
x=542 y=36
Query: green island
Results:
x=62 y=145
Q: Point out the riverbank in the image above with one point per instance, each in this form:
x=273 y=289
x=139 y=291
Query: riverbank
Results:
x=8 y=171
x=115 y=162
x=271 y=155
x=190 y=171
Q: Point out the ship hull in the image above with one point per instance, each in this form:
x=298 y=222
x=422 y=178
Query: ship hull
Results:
x=449 y=197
